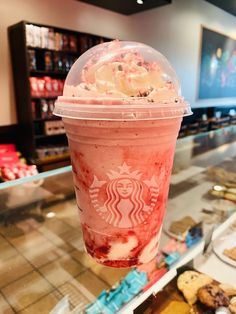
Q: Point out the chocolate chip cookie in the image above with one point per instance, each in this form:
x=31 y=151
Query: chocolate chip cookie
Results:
x=212 y=296
x=189 y=282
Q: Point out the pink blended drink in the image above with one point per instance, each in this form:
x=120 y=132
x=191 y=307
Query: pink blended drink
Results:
x=122 y=112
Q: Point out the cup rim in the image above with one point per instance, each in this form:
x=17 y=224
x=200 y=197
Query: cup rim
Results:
x=120 y=109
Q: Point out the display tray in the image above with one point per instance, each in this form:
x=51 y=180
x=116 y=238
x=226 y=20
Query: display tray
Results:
x=171 y=301
x=225 y=243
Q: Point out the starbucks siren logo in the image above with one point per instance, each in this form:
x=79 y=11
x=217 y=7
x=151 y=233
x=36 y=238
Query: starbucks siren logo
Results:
x=125 y=205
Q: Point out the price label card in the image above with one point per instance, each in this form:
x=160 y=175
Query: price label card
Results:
x=4 y=148
x=8 y=159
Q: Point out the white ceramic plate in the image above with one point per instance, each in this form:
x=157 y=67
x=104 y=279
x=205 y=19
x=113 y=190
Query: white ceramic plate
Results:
x=226 y=242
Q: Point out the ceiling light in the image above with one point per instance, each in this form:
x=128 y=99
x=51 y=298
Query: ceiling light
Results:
x=140 y=1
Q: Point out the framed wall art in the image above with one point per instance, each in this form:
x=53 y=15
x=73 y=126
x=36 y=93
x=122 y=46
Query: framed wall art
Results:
x=217 y=66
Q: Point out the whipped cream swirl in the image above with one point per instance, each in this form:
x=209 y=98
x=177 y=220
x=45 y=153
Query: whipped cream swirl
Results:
x=123 y=72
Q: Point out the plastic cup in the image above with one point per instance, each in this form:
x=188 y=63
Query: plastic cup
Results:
x=122 y=154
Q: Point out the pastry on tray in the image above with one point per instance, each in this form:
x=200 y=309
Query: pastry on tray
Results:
x=212 y=296
x=231 y=253
x=179 y=307
x=222 y=176
x=180 y=227
x=193 y=293
x=233 y=226
x=223 y=192
x=190 y=282
x=232 y=305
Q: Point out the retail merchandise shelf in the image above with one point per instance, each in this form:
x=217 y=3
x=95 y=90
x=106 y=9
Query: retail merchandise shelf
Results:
x=47 y=119
x=134 y=303
x=54 y=50
x=51 y=159
x=48 y=73
x=45 y=136
x=47 y=97
x=29 y=61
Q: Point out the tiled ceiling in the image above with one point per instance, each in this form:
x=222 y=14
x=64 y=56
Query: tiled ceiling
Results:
x=127 y=7
x=226 y=5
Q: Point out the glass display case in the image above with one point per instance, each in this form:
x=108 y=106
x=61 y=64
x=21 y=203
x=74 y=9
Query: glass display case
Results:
x=36 y=192
x=42 y=252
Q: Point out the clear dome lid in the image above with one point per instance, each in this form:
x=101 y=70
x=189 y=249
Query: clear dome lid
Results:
x=122 y=69
x=121 y=80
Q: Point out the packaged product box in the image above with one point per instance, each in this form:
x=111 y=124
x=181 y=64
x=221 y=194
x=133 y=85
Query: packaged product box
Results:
x=41 y=87
x=65 y=63
x=34 y=109
x=44 y=36
x=50 y=107
x=73 y=43
x=65 y=42
x=57 y=61
x=34 y=88
x=29 y=35
x=58 y=44
x=32 y=59
x=51 y=43
x=44 y=108
x=61 y=86
x=83 y=43
x=48 y=86
x=37 y=36
x=8 y=158
x=55 y=87
x=48 y=61
x=7 y=148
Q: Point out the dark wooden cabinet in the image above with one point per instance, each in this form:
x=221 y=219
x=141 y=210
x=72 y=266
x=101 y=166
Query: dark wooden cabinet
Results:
x=41 y=59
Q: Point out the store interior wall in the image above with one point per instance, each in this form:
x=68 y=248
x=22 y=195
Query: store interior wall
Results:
x=175 y=30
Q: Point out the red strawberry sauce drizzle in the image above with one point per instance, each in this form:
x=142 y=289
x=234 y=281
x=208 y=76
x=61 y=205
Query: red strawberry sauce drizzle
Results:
x=100 y=253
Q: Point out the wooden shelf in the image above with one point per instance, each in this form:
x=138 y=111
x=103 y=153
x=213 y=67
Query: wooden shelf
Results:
x=73 y=53
x=53 y=162
x=51 y=159
x=42 y=97
x=53 y=74
x=47 y=119
x=46 y=136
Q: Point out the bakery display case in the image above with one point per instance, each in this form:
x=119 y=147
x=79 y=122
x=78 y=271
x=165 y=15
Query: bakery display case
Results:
x=44 y=265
